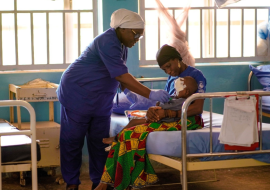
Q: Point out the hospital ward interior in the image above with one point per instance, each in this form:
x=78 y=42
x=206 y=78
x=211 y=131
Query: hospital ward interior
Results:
x=84 y=86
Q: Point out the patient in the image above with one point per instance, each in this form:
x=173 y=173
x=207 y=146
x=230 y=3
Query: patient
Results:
x=127 y=164
x=185 y=87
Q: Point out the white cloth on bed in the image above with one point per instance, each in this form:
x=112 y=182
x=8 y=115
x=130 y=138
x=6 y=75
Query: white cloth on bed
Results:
x=239 y=125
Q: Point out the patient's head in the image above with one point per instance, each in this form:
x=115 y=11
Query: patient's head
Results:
x=185 y=87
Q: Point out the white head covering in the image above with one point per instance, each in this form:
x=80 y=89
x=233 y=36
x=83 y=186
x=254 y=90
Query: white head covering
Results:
x=124 y=18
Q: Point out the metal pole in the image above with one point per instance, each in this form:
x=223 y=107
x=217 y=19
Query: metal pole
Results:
x=184 y=150
x=48 y=38
x=32 y=39
x=249 y=80
x=211 y=135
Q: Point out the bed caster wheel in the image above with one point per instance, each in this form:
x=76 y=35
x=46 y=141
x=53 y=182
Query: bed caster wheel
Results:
x=60 y=180
x=22 y=179
x=51 y=172
x=22 y=182
x=57 y=179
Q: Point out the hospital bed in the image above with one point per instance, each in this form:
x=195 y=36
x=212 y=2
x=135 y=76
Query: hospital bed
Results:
x=19 y=150
x=203 y=143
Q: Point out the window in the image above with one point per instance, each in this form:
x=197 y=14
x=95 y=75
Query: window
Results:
x=44 y=34
x=214 y=35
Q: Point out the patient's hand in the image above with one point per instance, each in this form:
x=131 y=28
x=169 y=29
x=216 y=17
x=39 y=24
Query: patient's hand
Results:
x=161 y=113
x=152 y=115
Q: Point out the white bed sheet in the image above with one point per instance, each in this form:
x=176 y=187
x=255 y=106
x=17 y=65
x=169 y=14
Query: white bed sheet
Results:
x=168 y=143
x=12 y=140
x=15 y=148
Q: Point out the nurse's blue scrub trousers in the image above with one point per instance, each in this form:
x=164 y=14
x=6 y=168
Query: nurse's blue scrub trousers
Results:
x=74 y=128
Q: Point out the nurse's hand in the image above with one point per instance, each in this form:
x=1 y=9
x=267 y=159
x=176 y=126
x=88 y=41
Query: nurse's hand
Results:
x=152 y=115
x=159 y=95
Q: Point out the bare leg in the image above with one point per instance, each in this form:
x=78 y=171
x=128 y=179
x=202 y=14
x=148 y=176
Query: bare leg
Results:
x=101 y=186
x=108 y=140
x=108 y=148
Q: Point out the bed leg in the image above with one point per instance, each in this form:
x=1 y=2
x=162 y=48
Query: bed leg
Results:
x=215 y=175
x=181 y=177
x=59 y=180
x=52 y=171
x=22 y=179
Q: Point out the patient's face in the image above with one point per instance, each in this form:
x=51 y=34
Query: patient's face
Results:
x=171 y=67
x=181 y=88
x=181 y=94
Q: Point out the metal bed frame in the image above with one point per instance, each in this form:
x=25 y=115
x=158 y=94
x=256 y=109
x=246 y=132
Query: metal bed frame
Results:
x=183 y=166
x=32 y=133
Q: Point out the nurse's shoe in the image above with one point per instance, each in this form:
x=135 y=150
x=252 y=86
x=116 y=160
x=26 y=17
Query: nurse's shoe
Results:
x=72 y=187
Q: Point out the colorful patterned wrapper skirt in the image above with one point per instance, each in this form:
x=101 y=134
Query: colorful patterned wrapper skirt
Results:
x=128 y=163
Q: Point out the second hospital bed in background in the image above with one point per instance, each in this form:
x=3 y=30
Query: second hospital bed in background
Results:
x=262 y=73
x=19 y=150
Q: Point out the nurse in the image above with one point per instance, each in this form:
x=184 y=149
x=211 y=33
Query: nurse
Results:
x=86 y=92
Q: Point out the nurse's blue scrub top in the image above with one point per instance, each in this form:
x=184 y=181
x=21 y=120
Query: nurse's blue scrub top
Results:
x=190 y=71
x=88 y=85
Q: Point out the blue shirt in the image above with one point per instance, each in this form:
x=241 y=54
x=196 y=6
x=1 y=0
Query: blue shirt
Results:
x=88 y=85
x=192 y=72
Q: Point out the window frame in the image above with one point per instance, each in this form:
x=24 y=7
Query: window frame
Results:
x=211 y=60
x=66 y=9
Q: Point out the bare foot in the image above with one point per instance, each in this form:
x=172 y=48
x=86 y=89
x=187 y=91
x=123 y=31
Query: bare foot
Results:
x=108 y=140
x=101 y=186
x=108 y=148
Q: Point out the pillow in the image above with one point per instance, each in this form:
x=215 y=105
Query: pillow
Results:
x=121 y=103
x=262 y=73
x=223 y=3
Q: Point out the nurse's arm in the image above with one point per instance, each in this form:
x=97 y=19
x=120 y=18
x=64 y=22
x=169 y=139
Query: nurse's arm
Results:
x=129 y=82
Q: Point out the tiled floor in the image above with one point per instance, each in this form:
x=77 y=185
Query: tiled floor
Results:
x=253 y=178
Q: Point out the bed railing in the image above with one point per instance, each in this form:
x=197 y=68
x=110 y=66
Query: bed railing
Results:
x=184 y=128
x=249 y=80
x=31 y=133
x=151 y=80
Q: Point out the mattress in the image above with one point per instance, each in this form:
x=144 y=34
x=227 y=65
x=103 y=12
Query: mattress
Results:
x=15 y=148
x=168 y=143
